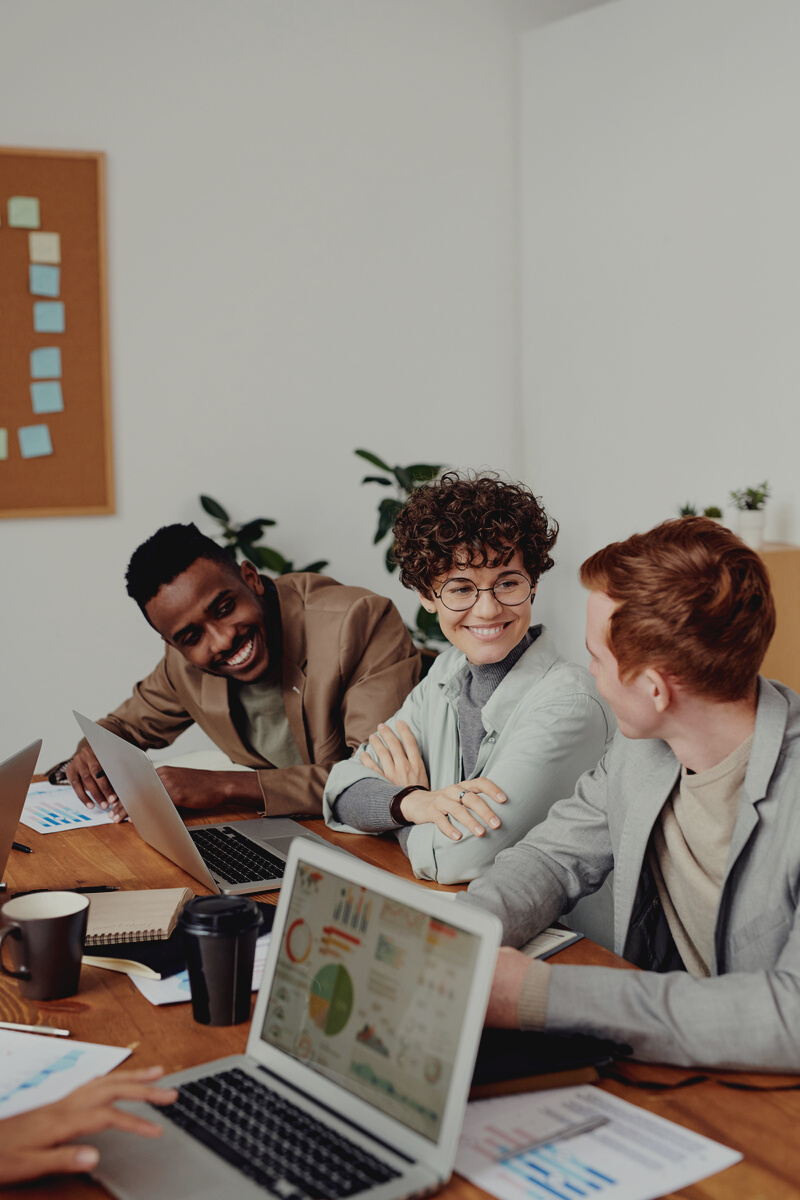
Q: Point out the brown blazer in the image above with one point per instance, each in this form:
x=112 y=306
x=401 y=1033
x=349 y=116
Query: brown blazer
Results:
x=348 y=663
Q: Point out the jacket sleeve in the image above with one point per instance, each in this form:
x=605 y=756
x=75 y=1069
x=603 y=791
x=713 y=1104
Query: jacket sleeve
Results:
x=345 y=774
x=550 y=746
x=153 y=716
x=378 y=667
x=566 y=857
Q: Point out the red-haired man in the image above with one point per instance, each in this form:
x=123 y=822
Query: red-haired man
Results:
x=695 y=807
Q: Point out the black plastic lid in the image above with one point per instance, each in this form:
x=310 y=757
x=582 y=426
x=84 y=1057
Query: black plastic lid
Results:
x=220 y=915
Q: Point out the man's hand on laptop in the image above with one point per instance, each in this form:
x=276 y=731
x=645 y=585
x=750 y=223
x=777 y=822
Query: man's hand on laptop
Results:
x=190 y=788
x=89 y=781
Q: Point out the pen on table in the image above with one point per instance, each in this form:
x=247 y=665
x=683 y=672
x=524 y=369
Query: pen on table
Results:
x=560 y=1135
x=49 y=1029
x=19 y=846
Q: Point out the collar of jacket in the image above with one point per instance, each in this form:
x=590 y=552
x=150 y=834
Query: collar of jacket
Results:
x=532 y=667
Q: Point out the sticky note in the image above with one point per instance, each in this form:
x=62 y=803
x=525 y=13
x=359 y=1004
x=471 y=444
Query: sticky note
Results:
x=44 y=281
x=46 y=397
x=3 y=443
x=34 y=441
x=44 y=247
x=46 y=363
x=48 y=316
x=23 y=212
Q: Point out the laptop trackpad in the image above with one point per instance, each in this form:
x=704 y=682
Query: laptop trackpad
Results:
x=281 y=844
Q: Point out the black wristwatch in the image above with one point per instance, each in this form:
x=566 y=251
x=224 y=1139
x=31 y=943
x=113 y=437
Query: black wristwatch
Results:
x=394 y=807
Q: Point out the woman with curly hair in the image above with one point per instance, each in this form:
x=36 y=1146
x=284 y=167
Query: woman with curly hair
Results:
x=502 y=726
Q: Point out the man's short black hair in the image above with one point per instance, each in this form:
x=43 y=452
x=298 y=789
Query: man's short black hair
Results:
x=166 y=555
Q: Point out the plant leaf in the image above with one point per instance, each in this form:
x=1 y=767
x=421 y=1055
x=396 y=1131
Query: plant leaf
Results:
x=270 y=560
x=252 y=530
x=388 y=510
x=389 y=559
x=373 y=458
x=315 y=568
x=404 y=479
x=423 y=472
x=377 y=479
x=214 y=509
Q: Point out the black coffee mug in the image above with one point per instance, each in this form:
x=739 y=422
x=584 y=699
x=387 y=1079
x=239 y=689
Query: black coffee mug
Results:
x=44 y=933
x=219 y=935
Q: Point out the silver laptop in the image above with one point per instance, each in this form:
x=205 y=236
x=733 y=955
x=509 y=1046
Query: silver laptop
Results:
x=234 y=858
x=359 y=1059
x=15 y=779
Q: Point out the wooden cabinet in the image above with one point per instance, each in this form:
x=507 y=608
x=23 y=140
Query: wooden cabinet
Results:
x=783 y=656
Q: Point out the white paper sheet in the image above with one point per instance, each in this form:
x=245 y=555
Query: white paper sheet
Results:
x=175 y=990
x=36 y=1070
x=54 y=809
x=636 y=1156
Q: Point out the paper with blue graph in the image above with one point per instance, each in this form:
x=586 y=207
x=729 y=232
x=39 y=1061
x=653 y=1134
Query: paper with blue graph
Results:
x=52 y=809
x=34 y=1071
x=634 y=1155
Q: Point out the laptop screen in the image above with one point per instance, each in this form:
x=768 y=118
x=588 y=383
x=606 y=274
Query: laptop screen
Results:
x=372 y=994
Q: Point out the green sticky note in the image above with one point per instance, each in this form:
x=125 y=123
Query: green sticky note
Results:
x=23 y=212
x=34 y=441
x=3 y=444
x=46 y=397
x=48 y=316
x=44 y=281
x=46 y=363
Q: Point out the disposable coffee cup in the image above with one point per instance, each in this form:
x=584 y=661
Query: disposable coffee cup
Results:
x=43 y=935
x=219 y=936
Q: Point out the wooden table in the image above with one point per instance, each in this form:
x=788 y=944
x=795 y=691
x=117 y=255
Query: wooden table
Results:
x=109 y=1009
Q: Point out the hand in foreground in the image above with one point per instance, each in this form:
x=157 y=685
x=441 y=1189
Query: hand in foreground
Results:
x=189 y=788
x=399 y=759
x=458 y=801
x=32 y=1144
x=509 y=973
x=89 y=781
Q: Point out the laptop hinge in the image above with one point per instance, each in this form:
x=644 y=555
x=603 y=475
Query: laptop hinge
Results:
x=339 y=1116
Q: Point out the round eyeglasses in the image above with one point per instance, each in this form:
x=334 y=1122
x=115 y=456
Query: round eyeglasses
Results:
x=459 y=594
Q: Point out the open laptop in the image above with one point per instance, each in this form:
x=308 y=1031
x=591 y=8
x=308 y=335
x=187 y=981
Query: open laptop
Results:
x=15 y=779
x=360 y=1053
x=234 y=858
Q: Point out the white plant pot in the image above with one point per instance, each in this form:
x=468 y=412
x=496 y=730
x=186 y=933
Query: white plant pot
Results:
x=751 y=527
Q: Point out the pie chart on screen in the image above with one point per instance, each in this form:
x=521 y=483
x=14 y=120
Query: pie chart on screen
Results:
x=330 y=1000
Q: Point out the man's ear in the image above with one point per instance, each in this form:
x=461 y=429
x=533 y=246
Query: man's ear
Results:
x=427 y=602
x=251 y=577
x=660 y=689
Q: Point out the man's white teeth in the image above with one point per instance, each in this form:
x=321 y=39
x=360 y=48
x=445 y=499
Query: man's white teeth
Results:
x=242 y=655
x=486 y=631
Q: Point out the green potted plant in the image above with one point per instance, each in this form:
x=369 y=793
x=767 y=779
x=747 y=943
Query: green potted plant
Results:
x=750 y=504
x=687 y=510
x=403 y=480
x=243 y=542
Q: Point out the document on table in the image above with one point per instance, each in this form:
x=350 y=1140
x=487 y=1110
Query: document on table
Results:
x=37 y=1070
x=634 y=1156
x=52 y=809
x=175 y=989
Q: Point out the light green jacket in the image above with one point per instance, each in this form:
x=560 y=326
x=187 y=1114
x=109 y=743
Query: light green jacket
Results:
x=545 y=725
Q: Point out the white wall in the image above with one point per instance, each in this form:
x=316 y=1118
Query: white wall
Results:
x=313 y=245
x=661 y=193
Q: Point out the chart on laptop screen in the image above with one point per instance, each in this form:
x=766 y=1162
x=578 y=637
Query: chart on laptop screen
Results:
x=371 y=993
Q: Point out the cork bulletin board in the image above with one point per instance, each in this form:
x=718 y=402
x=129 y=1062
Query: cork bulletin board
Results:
x=55 y=417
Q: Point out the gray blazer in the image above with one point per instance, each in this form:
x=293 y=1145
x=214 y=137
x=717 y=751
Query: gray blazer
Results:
x=748 y=1013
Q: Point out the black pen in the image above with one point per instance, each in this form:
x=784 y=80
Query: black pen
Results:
x=19 y=846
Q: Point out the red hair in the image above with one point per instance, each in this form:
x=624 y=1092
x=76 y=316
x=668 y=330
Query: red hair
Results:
x=692 y=601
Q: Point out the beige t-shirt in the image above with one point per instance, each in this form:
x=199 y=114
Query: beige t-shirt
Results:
x=264 y=725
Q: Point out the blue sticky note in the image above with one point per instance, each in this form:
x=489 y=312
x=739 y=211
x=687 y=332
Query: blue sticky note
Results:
x=46 y=397
x=48 y=316
x=46 y=363
x=23 y=212
x=44 y=281
x=34 y=441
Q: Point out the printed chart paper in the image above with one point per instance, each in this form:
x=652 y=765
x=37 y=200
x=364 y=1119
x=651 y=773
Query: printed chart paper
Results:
x=52 y=809
x=636 y=1156
x=175 y=989
x=36 y=1070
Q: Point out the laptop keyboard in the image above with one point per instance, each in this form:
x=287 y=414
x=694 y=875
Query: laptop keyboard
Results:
x=233 y=857
x=272 y=1141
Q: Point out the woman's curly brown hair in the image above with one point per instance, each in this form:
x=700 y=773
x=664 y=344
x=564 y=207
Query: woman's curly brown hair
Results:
x=470 y=521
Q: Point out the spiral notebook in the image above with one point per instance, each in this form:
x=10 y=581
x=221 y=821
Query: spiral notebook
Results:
x=144 y=916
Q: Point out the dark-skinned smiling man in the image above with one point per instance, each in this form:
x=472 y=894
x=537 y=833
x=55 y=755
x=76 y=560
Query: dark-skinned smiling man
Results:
x=285 y=676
